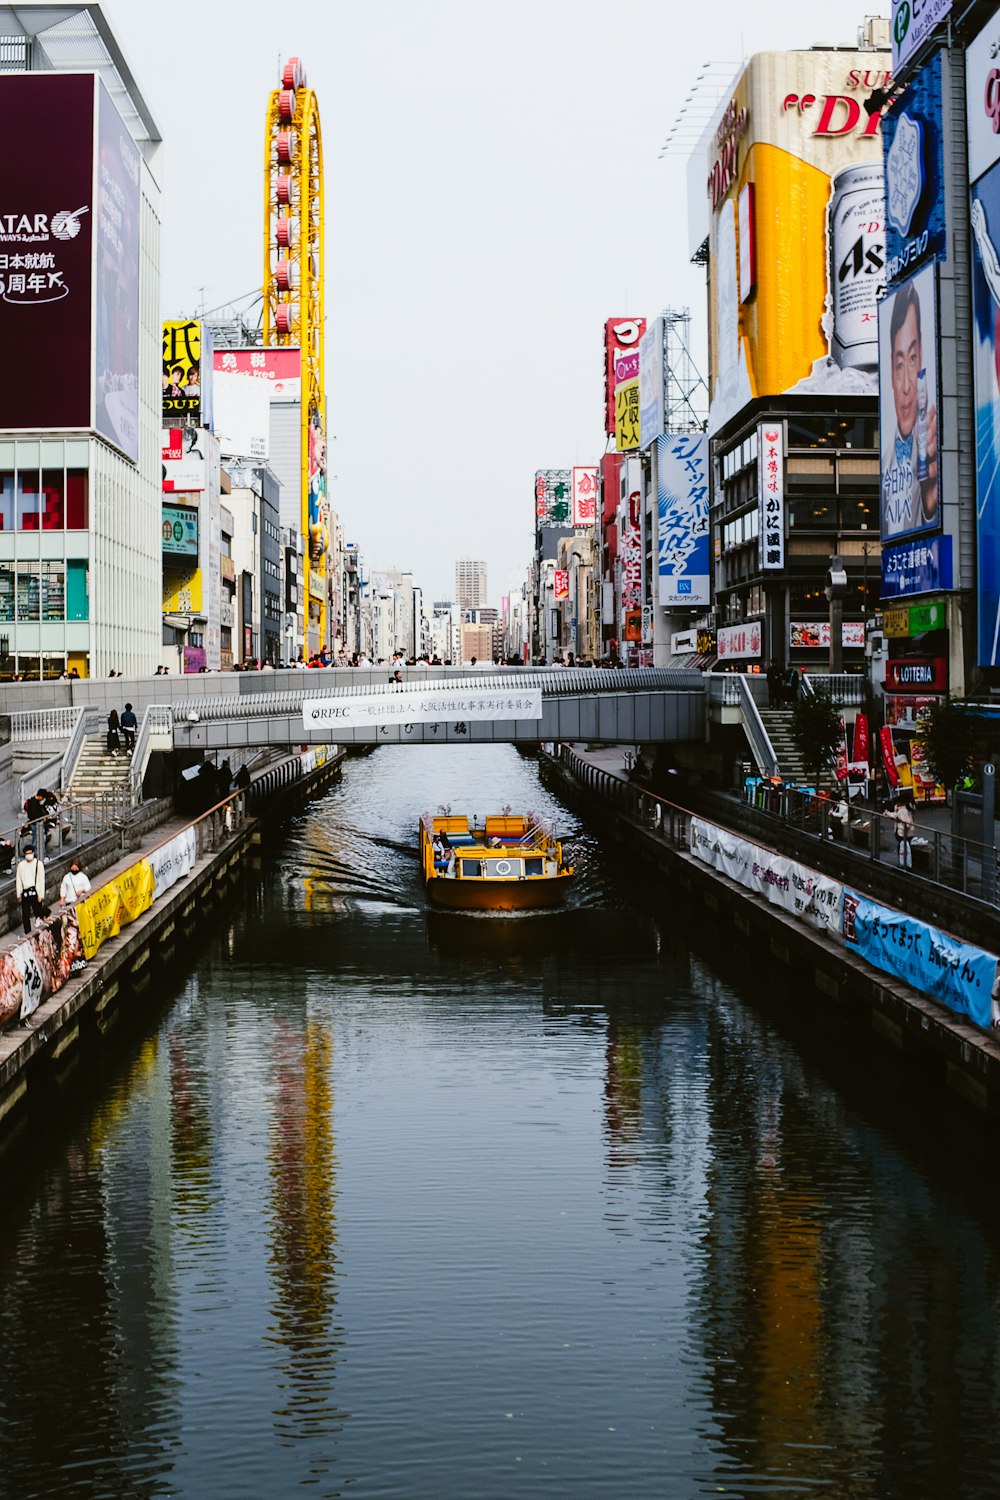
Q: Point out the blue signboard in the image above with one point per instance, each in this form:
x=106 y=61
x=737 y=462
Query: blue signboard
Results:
x=933 y=962
x=682 y=504
x=917 y=567
x=914 y=176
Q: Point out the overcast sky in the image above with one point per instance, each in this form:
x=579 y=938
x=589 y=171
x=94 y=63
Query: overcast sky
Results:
x=493 y=193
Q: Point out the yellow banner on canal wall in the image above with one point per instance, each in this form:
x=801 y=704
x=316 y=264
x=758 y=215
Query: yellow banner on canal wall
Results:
x=115 y=905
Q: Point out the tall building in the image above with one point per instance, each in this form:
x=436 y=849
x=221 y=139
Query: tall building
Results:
x=80 y=519
x=470 y=583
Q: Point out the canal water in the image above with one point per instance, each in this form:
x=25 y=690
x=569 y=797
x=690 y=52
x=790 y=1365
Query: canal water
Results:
x=389 y=1203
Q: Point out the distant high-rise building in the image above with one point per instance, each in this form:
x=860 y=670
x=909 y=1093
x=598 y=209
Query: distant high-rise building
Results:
x=470 y=583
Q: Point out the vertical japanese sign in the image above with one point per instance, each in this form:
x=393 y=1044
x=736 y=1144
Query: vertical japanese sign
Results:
x=46 y=249
x=116 y=333
x=584 y=497
x=182 y=373
x=771 y=482
x=682 y=510
x=552 y=497
x=619 y=334
x=627 y=402
x=631 y=559
x=560 y=584
x=651 y=413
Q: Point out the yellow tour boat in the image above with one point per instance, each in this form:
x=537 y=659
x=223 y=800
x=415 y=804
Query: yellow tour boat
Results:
x=504 y=863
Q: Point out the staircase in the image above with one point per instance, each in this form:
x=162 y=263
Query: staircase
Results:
x=97 y=771
x=778 y=723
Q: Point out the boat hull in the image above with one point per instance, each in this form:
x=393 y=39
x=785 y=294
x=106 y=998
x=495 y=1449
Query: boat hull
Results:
x=498 y=895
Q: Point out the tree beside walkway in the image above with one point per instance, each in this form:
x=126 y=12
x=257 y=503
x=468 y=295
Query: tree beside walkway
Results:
x=816 y=728
x=953 y=741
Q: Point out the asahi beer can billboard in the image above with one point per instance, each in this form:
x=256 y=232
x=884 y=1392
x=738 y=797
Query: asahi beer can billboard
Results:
x=797 y=263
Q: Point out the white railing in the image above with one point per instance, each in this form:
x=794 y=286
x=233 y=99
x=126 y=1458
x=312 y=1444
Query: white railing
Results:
x=57 y=770
x=88 y=722
x=43 y=724
x=753 y=725
x=847 y=689
x=158 y=719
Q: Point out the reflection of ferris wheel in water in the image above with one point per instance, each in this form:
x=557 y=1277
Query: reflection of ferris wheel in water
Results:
x=293 y=299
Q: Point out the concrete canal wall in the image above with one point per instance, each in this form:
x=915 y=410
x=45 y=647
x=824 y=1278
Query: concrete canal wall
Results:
x=932 y=1057
x=45 y=1051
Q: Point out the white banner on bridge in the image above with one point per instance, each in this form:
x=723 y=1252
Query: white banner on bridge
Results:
x=421 y=705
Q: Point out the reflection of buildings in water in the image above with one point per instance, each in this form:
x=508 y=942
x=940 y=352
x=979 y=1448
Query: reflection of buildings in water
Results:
x=303 y=1228
x=190 y=1130
x=623 y=1091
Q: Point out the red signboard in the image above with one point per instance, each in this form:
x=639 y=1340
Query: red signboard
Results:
x=619 y=333
x=910 y=674
x=46 y=249
x=560 y=584
x=280 y=368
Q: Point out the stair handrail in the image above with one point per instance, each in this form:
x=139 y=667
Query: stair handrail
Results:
x=755 y=730
x=158 y=719
x=89 y=720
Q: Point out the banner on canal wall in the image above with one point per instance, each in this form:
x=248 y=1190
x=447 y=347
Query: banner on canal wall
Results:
x=37 y=968
x=115 y=905
x=804 y=893
x=961 y=976
x=422 y=705
x=172 y=861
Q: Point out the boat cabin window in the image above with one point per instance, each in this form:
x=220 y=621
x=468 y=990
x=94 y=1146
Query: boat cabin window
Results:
x=533 y=866
x=503 y=868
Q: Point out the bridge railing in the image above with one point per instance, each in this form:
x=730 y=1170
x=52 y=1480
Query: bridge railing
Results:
x=43 y=724
x=157 y=719
x=756 y=733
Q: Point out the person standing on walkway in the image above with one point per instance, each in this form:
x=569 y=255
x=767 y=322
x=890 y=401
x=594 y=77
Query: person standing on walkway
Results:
x=30 y=888
x=75 y=885
x=114 y=724
x=129 y=724
x=902 y=819
x=774 y=685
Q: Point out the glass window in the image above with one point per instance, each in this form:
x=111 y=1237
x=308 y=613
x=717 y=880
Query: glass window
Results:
x=29 y=667
x=27 y=500
x=7 y=500
x=806 y=596
x=53 y=665
x=77 y=590
x=53 y=503
x=77 y=510
x=858 y=513
x=819 y=511
x=53 y=591
x=6 y=592
x=27 y=591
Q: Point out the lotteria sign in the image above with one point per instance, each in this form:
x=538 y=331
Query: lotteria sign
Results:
x=908 y=674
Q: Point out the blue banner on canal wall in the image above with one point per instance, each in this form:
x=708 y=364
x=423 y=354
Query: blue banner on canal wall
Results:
x=956 y=973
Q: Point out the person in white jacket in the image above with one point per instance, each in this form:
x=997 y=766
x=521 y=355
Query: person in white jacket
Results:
x=75 y=885
x=29 y=882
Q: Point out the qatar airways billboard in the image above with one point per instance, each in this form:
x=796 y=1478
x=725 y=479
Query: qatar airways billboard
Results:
x=47 y=251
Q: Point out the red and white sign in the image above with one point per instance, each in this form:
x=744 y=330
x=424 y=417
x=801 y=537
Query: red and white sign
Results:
x=771 y=475
x=631 y=556
x=861 y=740
x=738 y=642
x=280 y=368
x=619 y=334
x=584 y=497
x=815 y=634
x=560 y=584
x=183 y=460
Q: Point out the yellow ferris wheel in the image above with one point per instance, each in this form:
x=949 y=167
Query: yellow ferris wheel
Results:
x=293 y=304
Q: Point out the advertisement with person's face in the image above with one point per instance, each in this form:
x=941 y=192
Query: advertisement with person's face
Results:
x=907 y=343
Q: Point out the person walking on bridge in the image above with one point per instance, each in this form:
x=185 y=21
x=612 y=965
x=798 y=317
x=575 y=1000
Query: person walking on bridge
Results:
x=29 y=884
x=902 y=819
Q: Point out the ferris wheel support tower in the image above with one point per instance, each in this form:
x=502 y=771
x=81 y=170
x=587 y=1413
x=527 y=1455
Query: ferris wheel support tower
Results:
x=293 y=306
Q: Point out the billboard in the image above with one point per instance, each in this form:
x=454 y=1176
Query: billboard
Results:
x=908 y=407
x=738 y=642
x=279 y=369
x=242 y=409
x=46 y=250
x=619 y=334
x=801 y=315
x=182 y=341
x=627 y=401
x=912 y=22
x=682 y=509
x=552 y=497
x=116 y=277
x=584 y=509
x=983 y=124
x=182 y=591
x=651 y=414
x=814 y=635
x=917 y=567
x=914 y=176
x=180 y=531
x=560 y=584
x=183 y=455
